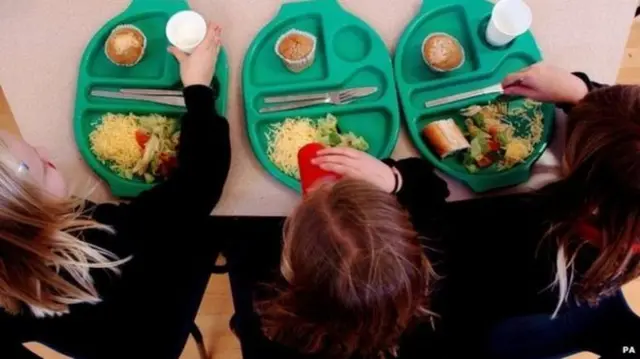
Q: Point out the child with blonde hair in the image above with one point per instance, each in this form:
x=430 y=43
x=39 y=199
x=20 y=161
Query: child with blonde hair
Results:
x=112 y=281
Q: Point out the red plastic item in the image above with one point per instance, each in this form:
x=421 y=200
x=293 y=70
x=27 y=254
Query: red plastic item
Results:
x=310 y=173
x=593 y=235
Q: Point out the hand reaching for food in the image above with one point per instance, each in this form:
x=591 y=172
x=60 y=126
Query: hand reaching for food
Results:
x=545 y=83
x=352 y=163
x=199 y=67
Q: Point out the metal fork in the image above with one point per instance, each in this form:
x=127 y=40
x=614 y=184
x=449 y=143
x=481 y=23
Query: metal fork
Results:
x=335 y=98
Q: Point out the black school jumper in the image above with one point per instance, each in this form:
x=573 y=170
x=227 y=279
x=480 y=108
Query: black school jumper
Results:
x=485 y=251
x=147 y=311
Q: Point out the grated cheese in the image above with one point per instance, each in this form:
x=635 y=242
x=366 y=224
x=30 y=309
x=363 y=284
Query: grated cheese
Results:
x=286 y=139
x=114 y=140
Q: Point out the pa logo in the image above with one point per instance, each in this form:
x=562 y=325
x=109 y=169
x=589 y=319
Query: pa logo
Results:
x=628 y=350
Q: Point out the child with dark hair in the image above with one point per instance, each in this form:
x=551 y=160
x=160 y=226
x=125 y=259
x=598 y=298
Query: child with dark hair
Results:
x=348 y=263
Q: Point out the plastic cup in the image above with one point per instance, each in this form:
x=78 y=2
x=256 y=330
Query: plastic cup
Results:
x=509 y=19
x=186 y=30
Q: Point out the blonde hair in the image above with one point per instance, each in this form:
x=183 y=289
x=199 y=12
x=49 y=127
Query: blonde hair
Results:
x=44 y=262
x=357 y=275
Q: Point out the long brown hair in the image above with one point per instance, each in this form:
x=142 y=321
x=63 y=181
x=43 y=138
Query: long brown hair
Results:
x=44 y=265
x=602 y=186
x=357 y=274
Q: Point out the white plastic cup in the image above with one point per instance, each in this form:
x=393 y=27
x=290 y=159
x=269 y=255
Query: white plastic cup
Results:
x=509 y=19
x=186 y=30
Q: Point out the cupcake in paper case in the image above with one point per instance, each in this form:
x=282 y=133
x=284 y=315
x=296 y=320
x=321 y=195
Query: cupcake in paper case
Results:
x=297 y=49
x=125 y=45
x=442 y=52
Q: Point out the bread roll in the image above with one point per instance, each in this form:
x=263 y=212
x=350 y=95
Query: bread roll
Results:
x=445 y=137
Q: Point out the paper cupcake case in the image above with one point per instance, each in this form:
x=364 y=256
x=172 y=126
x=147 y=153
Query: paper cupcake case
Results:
x=302 y=64
x=126 y=26
x=424 y=58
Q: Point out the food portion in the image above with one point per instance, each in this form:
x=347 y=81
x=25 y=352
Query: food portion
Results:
x=286 y=138
x=125 y=45
x=445 y=137
x=442 y=52
x=296 y=49
x=131 y=145
x=492 y=131
x=496 y=135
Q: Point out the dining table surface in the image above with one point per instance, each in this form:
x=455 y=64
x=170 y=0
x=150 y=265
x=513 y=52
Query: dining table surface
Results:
x=42 y=41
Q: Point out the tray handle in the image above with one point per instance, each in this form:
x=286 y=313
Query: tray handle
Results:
x=434 y=4
x=285 y=2
x=147 y=5
x=290 y=5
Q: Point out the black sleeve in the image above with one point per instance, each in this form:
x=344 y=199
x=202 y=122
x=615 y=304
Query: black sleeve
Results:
x=423 y=193
x=195 y=186
x=16 y=351
x=591 y=85
x=603 y=329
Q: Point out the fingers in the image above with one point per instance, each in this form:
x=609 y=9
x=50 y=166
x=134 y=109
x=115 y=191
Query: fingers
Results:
x=218 y=35
x=522 y=77
x=515 y=78
x=523 y=91
x=179 y=55
x=342 y=170
x=342 y=151
x=335 y=159
x=217 y=40
x=212 y=38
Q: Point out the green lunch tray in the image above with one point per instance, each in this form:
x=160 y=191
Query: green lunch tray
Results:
x=157 y=69
x=484 y=66
x=348 y=54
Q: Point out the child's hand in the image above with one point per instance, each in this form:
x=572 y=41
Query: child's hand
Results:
x=356 y=164
x=545 y=83
x=199 y=67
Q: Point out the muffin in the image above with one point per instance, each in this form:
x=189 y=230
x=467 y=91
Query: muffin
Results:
x=442 y=52
x=125 y=45
x=297 y=49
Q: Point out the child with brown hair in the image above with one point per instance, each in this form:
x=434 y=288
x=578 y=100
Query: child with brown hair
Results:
x=350 y=263
x=353 y=273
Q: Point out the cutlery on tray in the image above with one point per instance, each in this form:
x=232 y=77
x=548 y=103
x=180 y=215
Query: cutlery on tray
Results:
x=292 y=102
x=166 y=97
x=465 y=95
x=152 y=92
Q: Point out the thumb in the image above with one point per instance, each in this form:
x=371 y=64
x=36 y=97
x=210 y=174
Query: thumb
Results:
x=179 y=55
x=513 y=79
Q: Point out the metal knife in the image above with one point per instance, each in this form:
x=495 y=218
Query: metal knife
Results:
x=365 y=91
x=152 y=92
x=165 y=100
x=465 y=95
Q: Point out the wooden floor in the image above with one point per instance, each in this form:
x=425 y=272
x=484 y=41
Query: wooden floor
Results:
x=217 y=308
x=630 y=68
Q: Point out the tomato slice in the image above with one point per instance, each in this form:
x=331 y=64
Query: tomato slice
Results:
x=493 y=145
x=484 y=161
x=142 y=138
